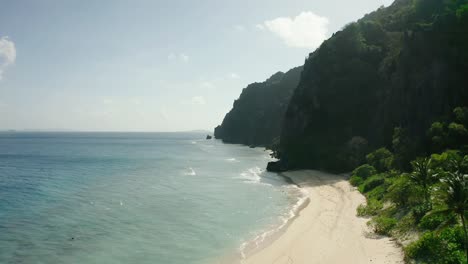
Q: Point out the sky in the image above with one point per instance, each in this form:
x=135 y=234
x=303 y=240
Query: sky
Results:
x=115 y=65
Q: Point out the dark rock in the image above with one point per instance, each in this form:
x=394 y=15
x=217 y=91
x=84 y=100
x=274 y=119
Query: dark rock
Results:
x=276 y=166
x=256 y=116
x=208 y=137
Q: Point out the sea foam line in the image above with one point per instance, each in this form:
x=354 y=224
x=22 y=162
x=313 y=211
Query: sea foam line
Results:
x=190 y=172
x=264 y=238
x=252 y=175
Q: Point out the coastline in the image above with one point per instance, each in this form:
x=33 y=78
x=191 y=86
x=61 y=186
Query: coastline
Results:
x=325 y=228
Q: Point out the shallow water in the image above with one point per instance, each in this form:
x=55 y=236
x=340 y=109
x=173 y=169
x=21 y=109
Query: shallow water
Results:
x=133 y=198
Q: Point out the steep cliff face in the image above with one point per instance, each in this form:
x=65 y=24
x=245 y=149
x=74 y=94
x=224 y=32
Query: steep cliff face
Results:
x=405 y=65
x=257 y=115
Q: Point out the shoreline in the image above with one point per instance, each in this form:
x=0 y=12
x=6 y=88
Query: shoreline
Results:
x=325 y=228
x=253 y=246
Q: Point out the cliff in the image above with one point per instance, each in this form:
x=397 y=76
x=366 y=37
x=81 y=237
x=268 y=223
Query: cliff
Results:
x=403 y=66
x=257 y=116
x=400 y=66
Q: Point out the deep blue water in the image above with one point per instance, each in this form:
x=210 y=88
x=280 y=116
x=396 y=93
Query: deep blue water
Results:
x=133 y=198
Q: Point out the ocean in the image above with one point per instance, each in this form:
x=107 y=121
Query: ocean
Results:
x=135 y=198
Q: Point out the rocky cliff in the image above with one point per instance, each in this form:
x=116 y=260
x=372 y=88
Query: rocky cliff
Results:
x=256 y=117
x=401 y=66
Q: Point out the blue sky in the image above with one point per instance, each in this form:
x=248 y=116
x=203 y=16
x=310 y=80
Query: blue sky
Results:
x=113 y=65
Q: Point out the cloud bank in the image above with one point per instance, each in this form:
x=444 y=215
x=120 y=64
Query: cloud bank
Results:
x=306 y=30
x=7 y=54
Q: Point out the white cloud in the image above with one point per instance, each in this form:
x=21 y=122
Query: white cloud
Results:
x=198 y=100
x=234 y=75
x=182 y=57
x=7 y=54
x=307 y=30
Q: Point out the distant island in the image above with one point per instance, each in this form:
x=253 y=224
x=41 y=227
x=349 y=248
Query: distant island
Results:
x=385 y=98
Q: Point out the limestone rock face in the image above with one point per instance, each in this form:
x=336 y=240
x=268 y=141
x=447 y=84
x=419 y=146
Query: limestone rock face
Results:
x=400 y=66
x=404 y=65
x=256 y=117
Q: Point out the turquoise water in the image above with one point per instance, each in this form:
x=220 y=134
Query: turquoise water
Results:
x=133 y=198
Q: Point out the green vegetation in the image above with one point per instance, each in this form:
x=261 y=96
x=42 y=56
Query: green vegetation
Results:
x=390 y=82
x=383 y=79
x=428 y=201
x=257 y=115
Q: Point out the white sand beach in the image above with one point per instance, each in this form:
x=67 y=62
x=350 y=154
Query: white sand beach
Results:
x=327 y=230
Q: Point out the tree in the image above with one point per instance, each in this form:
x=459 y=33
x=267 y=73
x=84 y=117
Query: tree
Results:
x=438 y=135
x=461 y=113
x=445 y=161
x=423 y=175
x=458 y=135
x=402 y=192
x=456 y=196
x=402 y=148
x=355 y=151
x=381 y=159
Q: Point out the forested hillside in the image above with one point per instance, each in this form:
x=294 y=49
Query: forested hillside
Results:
x=386 y=98
x=401 y=66
x=257 y=116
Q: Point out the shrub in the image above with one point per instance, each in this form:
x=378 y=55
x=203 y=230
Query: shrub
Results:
x=444 y=159
x=457 y=130
x=372 y=208
x=405 y=224
x=364 y=171
x=377 y=193
x=445 y=248
x=461 y=113
x=356 y=180
x=381 y=159
x=433 y=221
x=419 y=211
x=383 y=225
x=403 y=192
x=361 y=173
x=371 y=183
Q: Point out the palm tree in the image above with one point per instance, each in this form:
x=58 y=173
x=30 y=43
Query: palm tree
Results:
x=456 y=198
x=423 y=175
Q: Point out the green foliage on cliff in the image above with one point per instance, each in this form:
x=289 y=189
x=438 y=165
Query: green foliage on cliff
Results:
x=394 y=82
x=257 y=115
x=400 y=67
x=429 y=200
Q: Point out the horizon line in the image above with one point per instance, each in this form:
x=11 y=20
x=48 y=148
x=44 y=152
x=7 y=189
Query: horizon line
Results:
x=101 y=131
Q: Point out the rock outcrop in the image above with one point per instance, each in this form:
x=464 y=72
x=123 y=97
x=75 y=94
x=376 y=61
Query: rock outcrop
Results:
x=256 y=117
x=400 y=66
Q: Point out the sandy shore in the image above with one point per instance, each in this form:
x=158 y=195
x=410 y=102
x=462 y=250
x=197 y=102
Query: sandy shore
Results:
x=327 y=230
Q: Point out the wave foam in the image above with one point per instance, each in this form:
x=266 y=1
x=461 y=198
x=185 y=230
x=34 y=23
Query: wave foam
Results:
x=260 y=240
x=252 y=175
x=190 y=172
